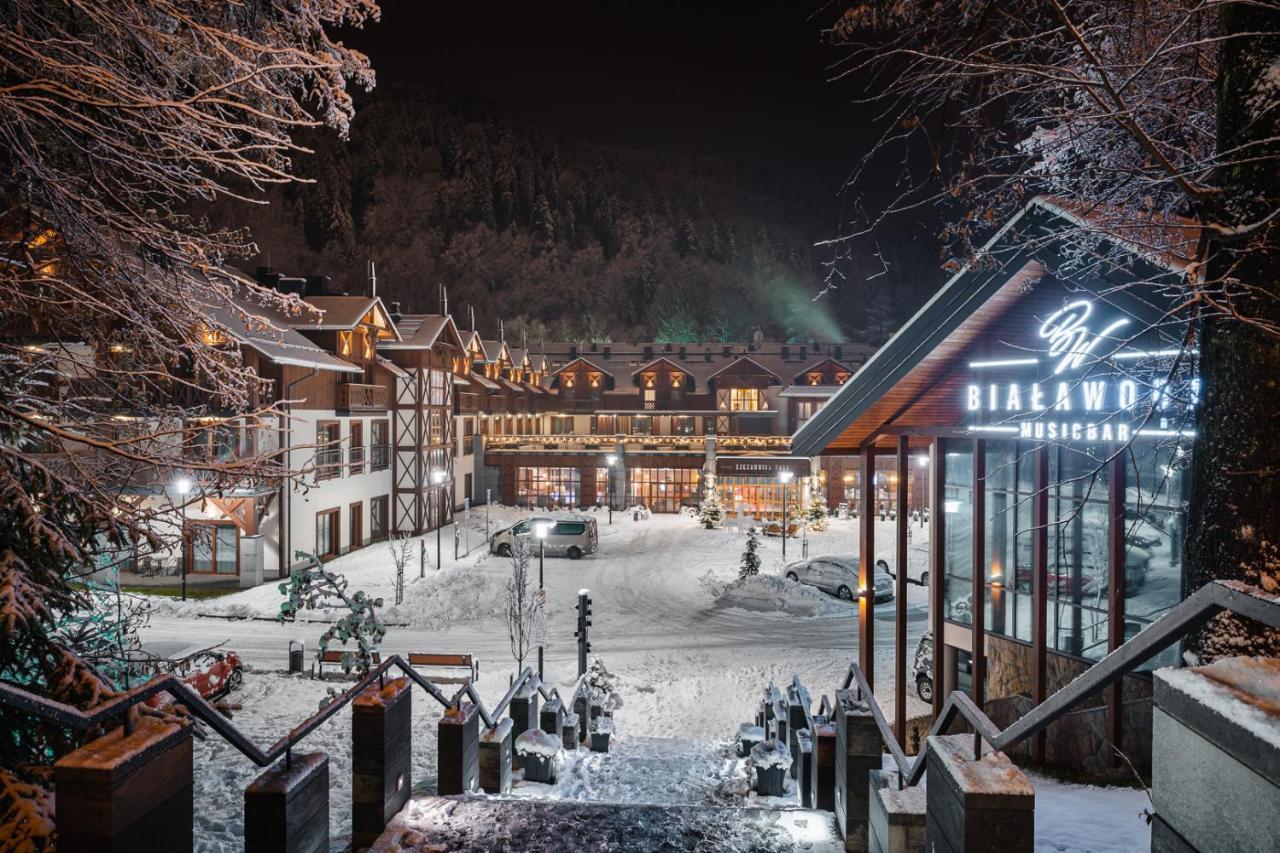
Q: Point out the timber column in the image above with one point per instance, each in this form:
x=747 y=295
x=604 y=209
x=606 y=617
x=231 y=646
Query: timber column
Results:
x=126 y=792
x=381 y=752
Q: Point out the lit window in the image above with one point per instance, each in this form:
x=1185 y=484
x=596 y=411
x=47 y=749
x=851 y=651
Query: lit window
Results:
x=841 y=377
x=344 y=343
x=815 y=378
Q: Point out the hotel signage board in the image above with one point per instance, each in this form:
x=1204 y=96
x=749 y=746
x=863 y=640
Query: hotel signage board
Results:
x=1084 y=372
x=761 y=467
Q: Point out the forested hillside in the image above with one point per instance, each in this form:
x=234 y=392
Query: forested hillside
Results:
x=560 y=238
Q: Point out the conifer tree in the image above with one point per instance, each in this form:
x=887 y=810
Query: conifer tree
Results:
x=711 y=512
x=750 y=565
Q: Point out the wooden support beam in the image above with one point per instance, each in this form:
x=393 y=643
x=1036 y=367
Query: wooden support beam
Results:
x=977 y=605
x=1115 y=599
x=866 y=567
x=937 y=563
x=1039 y=589
x=900 y=610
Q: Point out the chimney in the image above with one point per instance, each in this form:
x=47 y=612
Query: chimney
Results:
x=318 y=285
x=396 y=315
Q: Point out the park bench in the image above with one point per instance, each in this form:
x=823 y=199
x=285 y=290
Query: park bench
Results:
x=466 y=663
x=334 y=657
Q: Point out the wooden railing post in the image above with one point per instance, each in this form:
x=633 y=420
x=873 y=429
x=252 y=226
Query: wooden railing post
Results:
x=458 y=741
x=381 y=752
x=128 y=791
x=524 y=714
x=858 y=752
x=975 y=806
x=286 y=809
x=824 y=766
x=496 y=759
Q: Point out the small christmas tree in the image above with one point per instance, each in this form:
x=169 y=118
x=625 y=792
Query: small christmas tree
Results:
x=816 y=511
x=711 y=512
x=750 y=565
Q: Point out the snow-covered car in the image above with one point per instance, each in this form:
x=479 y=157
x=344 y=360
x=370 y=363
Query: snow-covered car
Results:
x=838 y=576
x=212 y=673
x=571 y=535
x=922 y=667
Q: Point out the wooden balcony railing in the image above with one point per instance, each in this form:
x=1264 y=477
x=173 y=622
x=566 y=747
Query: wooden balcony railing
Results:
x=353 y=397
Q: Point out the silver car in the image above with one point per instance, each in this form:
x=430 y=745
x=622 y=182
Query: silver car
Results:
x=568 y=535
x=839 y=576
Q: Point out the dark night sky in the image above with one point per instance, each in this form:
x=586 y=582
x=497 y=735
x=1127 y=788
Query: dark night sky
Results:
x=747 y=80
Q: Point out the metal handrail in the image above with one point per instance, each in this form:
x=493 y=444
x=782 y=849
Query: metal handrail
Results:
x=200 y=707
x=1190 y=615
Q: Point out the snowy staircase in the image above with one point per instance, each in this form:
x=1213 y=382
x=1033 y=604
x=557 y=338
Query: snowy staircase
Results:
x=644 y=794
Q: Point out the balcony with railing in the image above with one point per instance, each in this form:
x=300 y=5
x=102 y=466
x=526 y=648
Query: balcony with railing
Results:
x=769 y=444
x=354 y=397
x=355 y=460
x=380 y=457
x=328 y=463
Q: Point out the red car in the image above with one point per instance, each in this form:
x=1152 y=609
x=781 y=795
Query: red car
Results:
x=212 y=673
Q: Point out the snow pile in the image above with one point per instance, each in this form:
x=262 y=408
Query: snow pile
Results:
x=602 y=725
x=770 y=593
x=450 y=596
x=538 y=742
x=769 y=754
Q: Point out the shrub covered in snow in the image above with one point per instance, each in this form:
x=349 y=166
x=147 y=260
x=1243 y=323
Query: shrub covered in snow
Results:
x=602 y=684
x=538 y=742
x=771 y=753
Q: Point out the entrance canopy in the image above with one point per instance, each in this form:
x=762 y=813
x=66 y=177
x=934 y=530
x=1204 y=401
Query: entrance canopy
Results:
x=1000 y=345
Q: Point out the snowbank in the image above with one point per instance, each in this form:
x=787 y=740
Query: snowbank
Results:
x=771 y=593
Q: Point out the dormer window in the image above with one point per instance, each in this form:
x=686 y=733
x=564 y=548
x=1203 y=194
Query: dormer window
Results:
x=594 y=379
x=677 y=379
x=649 y=379
x=568 y=380
x=841 y=377
x=815 y=378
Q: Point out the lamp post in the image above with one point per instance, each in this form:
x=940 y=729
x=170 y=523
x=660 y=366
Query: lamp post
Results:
x=612 y=460
x=784 y=477
x=437 y=479
x=183 y=487
x=541 y=529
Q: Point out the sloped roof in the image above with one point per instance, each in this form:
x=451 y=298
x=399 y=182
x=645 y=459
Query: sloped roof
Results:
x=267 y=328
x=909 y=361
x=673 y=363
x=484 y=382
x=493 y=350
x=423 y=331
x=344 y=313
x=739 y=360
x=593 y=364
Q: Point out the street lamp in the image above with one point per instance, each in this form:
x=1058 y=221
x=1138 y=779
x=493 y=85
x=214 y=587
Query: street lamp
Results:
x=784 y=477
x=437 y=479
x=183 y=487
x=541 y=529
x=612 y=460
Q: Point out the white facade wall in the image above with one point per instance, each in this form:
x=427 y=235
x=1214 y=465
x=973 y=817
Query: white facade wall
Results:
x=463 y=464
x=310 y=497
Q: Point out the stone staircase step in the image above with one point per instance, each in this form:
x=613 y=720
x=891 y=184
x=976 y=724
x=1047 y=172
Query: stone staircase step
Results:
x=484 y=824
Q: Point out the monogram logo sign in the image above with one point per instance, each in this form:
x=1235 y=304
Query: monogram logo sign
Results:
x=1068 y=335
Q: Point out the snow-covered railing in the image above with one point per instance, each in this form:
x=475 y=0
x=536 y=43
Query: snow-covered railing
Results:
x=119 y=706
x=1188 y=616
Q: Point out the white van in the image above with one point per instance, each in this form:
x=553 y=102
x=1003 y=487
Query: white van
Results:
x=570 y=535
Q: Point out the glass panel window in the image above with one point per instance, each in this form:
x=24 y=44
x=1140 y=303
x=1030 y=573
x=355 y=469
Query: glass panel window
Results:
x=1078 y=541
x=379 y=445
x=226 y=545
x=663 y=489
x=1156 y=482
x=741 y=399
x=958 y=534
x=684 y=425
x=641 y=425
x=549 y=487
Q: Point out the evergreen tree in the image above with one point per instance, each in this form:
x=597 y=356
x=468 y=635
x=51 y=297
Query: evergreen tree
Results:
x=750 y=564
x=816 y=511
x=711 y=512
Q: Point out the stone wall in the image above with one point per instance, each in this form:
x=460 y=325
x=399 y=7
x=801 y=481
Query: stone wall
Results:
x=1076 y=743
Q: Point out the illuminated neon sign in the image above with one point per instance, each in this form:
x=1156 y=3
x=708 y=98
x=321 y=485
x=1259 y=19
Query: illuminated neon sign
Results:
x=1085 y=408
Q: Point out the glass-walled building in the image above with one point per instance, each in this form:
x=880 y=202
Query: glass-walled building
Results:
x=1056 y=412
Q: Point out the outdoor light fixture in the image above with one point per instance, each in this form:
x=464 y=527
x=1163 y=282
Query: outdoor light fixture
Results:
x=183 y=486
x=541 y=529
x=784 y=477
x=437 y=479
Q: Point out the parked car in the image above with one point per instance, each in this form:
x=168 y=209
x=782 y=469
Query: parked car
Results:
x=213 y=673
x=571 y=535
x=838 y=576
x=923 y=580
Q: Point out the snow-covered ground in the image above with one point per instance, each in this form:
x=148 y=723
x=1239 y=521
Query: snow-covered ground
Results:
x=691 y=648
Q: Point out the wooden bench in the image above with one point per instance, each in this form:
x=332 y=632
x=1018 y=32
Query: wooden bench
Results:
x=459 y=662
x=334 y=656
